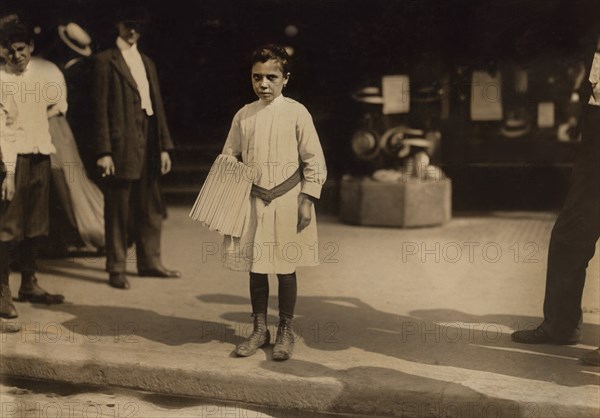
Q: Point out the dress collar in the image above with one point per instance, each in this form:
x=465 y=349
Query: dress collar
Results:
x=278 y=100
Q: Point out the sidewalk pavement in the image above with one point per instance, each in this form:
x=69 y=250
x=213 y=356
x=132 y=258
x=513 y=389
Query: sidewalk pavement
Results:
x=408 y=322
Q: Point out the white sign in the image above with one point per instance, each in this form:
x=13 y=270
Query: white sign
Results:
x=486 y=96
x=396 y=94
x=545 y=117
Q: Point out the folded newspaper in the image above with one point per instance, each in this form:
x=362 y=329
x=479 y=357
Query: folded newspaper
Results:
x=223 y=202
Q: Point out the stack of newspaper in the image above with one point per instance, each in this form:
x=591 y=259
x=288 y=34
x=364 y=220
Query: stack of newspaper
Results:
x=223 y=202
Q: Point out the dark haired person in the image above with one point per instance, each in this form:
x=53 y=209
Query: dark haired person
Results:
x=276 y=136
x=132 y=143
x=24 y=219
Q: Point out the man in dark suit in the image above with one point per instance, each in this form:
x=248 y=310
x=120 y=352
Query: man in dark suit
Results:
x=577 y=228
x=132 y=143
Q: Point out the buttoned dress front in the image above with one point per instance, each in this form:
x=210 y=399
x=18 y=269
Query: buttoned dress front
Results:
x=275 y=139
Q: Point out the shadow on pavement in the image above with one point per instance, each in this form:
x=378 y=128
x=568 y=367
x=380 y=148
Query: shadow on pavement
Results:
x=130 y=325
x=72 y=275
x=372 y=387
x=94 y=264
x=479 y=343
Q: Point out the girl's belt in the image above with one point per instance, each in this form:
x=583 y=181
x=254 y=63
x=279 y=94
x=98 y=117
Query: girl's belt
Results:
x=267 y=195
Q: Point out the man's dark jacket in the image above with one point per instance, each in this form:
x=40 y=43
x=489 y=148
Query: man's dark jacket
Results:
x=118 y=116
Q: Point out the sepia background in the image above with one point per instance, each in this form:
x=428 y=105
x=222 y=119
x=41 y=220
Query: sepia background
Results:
x=395 y=321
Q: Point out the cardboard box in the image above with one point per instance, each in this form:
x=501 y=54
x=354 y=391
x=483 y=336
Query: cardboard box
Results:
x=408 y=203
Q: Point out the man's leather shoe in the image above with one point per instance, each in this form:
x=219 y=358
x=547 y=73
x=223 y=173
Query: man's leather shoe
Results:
x=118 y=280
x=592 y=358
x=537 y=336
x=160 y=272
x=30 y=291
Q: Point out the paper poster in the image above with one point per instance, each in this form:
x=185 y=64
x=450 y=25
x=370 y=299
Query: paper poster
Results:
x=486 y=97
x=545 y=117
x=396 y=94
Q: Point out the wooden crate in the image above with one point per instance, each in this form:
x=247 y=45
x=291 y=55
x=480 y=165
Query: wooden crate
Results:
x=410 y=203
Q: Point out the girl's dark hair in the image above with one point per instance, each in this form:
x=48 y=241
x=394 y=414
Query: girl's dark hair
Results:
x=273 y=52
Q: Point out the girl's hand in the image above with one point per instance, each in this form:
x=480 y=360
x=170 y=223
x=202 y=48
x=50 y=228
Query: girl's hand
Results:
x=304 y=211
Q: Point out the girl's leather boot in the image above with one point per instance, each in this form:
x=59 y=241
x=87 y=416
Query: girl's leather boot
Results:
x=259 y=338
x=284 y=342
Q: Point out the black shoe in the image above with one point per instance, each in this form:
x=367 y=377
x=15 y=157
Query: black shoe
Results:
x=538 y=336
x=284 y=342
x=30 y=291
x=118 y=280
x=7 y=309
x=592 y=358
x=160 y=272
x=259 y=338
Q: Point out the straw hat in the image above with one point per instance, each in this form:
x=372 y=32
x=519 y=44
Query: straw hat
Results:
x=365 y=144
x=76 y=38
x=370 y=94
x=400 y=140
x=515 y=127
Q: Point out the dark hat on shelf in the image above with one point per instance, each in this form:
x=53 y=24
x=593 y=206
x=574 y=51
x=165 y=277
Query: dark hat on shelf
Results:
x=76 y=38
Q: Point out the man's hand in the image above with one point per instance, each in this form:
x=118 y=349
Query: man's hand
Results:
x=8 y=187
x=165 y=163
x=107 y=166
x=304 y=211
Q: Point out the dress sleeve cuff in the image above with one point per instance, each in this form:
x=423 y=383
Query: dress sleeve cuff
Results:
x=311 y=189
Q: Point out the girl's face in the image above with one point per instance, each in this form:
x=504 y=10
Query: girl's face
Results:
x=268 y=80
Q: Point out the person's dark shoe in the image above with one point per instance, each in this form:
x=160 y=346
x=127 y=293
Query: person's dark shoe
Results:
x=9 y=327
x=118 y=280
x=160 y=272
x=592 y=358
x=284 y=342
x=30 y=291
x=259 y=338
x=538 y=336
x=7 y=309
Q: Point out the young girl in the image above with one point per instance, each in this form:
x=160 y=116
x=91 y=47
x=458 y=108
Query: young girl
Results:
x=275 y=135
